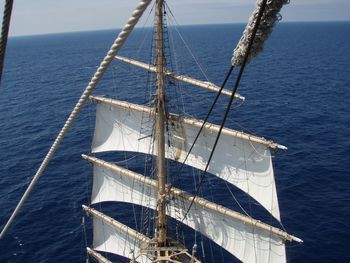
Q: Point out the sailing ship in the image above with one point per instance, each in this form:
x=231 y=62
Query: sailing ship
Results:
x=238 y=158
x=242 y=160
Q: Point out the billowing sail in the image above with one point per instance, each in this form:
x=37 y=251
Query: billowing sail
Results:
x=241 y=159
x=106 y=187
x=247 y=239
x=114 y=237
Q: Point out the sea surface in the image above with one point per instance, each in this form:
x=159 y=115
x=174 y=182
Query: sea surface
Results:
x=297 y=93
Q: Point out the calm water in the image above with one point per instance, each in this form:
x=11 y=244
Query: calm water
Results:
x=296 y=93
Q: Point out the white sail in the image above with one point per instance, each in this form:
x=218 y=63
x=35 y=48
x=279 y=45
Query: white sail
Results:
x=247 y=239
x=243 y=160
x=107 y=187
x=113 y=237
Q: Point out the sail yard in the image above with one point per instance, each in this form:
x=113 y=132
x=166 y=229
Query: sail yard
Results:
x=240 y=159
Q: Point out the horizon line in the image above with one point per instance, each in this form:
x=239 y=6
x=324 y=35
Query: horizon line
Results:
x=232 y=23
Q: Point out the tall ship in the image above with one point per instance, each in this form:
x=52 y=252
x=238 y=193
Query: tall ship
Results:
x=173 y=143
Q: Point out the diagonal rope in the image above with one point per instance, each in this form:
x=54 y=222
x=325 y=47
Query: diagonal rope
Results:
x=123 y=35
x=213 y=103
x=4 y=33
x=185 y=43
x=207 y=117
x=256 y=26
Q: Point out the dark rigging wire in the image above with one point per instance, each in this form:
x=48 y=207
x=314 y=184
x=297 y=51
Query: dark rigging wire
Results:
x=209 y=112
x=207 y=117
x=4 y=33
x=239 y=76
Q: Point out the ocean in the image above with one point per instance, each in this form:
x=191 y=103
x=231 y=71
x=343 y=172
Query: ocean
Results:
x=296 y=94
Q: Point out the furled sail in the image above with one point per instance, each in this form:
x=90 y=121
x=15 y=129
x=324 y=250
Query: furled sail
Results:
x=269 y=18
x=247 y=239
x=183 y=78
x=243 y=160
x=114 y=237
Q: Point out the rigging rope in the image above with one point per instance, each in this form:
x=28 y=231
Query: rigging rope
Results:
x=123 y=35
x=4 y=33
x=186 y=45
x=239 y=76
x=208 y=115
x=84 y=234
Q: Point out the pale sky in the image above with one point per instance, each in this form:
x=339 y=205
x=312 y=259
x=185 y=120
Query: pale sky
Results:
x=32 y=17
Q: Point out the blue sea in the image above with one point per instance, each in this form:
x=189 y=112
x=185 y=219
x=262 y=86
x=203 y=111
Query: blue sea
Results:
x=297 y=93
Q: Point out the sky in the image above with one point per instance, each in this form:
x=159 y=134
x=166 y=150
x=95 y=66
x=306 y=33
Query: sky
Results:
x=32 y=17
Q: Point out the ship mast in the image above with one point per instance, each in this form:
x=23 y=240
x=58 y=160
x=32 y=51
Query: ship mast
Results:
x=161 y=221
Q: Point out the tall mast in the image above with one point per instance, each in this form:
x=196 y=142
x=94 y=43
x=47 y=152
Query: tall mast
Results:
x=161 y=229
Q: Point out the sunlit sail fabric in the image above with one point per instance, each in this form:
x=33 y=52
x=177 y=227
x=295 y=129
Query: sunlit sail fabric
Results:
x=108 y=187
x=245 y=241
x=108 y=238
x=240 y=159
